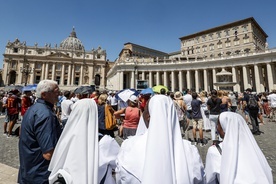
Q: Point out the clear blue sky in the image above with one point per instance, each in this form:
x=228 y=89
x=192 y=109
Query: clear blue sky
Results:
x=156 y=24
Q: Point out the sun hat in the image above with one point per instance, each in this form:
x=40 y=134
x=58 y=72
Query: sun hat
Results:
x=178 y=95
x=133 y=98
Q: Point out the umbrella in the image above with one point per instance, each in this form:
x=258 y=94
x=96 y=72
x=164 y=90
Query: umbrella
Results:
x=125 y=94
x=147 y=91
x=157 y=88
x=13 y=87
x=29 y=87
x=84 y=90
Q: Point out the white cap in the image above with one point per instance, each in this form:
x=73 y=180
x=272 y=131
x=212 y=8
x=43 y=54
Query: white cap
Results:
x=133 y=98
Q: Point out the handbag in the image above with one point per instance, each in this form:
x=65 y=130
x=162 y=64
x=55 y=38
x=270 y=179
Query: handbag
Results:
x=110 y=120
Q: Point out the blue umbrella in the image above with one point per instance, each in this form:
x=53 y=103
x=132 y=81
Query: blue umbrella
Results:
x=13 y=87
x=147 y=91
x=29 y=87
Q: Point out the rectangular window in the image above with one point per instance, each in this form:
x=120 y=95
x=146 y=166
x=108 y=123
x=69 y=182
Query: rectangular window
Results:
x=226 y=33
x=198 y=50
x=211 y=47
x=245 y=28
x=210 y=36
x=218 y=34
x=237 y=42
x=219 y=46
x=228 y=44
x=246 y=40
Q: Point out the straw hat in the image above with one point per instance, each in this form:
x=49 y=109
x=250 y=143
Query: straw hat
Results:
x=178 y=95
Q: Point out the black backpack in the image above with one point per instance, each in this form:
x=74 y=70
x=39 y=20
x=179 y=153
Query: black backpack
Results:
x=252 y=103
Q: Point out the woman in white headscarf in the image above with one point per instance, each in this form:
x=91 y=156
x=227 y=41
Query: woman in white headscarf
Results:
x=240 y=160
x=157 y=154
x=79 y=157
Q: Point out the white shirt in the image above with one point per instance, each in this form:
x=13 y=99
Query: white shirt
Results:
x=66 y=108
x=272 y=99
x=188 y=99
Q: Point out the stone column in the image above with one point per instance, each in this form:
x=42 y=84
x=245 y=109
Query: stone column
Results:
x=69 y=75
x=180 y=79
x=236 y=87
x=46 y=71
x=257 y=79
x=42 y=77
x=143 y=75
x=269 y=77
x=132 y=80
x=205 y=78
x=121 y=80
x=73 y=75
x=62 y=75
x=6 y=73
x=245 y=77
x=157 y=78
x=150 y=79
x=92 y=78
x=81 y=75
x=196 y=81
x=21 y=78
x=214 y=79
x=189 y=79
x=165 y=78
x=54 y=71
x=32 y=65
x=102 y=84
x=173 y=81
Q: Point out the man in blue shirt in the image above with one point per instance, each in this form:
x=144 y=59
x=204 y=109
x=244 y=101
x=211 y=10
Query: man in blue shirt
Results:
x=40 y=131
x=197 y=118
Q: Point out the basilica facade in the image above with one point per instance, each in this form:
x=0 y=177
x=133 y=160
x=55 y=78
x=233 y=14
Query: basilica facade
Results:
x=234 y=57
x=67 y=63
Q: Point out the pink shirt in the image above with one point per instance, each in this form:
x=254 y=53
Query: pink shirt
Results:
x=132 y=117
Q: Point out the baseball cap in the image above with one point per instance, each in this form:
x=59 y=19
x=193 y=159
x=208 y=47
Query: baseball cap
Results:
x=133 y=98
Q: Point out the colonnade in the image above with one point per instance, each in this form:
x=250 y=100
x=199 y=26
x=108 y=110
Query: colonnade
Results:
x=259 y=77
x=65 y=74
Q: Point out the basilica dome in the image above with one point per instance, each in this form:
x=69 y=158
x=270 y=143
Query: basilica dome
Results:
x=72 y=42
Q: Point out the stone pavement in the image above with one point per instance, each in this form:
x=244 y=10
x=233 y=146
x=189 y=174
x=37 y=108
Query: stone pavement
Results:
x=9 y=159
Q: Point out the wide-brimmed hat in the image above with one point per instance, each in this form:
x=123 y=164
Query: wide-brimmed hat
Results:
x=178 y=95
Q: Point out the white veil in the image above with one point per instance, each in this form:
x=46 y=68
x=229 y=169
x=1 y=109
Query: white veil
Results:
x=76 y=154
x=242 y=160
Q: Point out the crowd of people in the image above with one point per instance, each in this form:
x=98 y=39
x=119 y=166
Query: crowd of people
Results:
x=63 y=137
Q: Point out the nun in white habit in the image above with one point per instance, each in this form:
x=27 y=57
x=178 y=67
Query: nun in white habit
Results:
x=157 y=154
x=79 y=157
x=241 y=160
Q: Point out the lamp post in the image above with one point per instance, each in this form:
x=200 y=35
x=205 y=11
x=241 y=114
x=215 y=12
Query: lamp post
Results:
x=26 y=70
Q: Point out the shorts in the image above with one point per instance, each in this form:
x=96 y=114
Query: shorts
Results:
x=246 y=113
x=197 y=123
x=13 y=117
x=189 y=114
